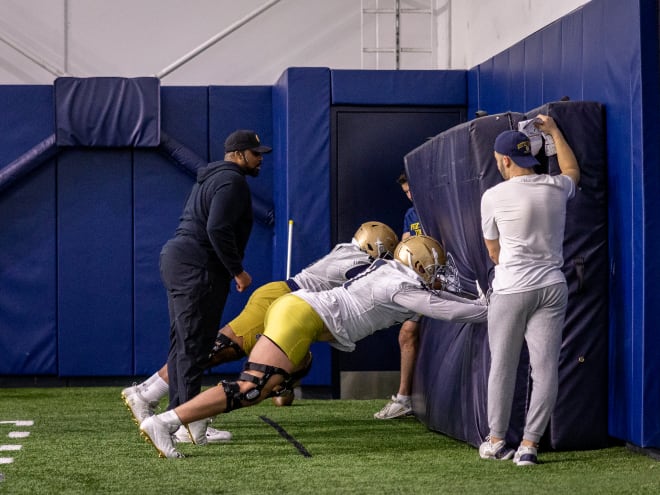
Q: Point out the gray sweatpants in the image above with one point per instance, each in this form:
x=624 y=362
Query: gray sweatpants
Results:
x=537 y=317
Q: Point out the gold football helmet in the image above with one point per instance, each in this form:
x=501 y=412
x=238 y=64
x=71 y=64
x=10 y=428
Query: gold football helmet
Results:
x=423 y=254
x=376 y=239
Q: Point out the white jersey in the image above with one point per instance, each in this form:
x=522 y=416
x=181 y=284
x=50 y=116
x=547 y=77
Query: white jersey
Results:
x=387 y=293
x=527 y=214
x=339 y=265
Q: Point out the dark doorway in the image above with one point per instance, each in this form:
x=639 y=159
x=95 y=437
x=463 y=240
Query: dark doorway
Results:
x=368 y=145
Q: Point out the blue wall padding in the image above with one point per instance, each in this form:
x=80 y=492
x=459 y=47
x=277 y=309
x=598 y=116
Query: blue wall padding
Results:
x=27 y=245
x=246 y=107
x=27 y=275
x=23 y=165
x=454 y=169
x=609 y=53
x=181 y=155
x=107 y=111
x=457 y=186
x=580 y=416
x=95 y=262
x=161 y=185
x=185 y=117
x=301 y=152
x=159 y=192
x=650 y=389
x=447 y=176
x=393 y=87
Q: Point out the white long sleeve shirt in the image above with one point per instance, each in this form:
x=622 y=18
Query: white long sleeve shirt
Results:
x=387 y=293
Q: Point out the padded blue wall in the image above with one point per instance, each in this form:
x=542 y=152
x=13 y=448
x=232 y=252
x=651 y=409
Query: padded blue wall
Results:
x=160 y=185
x=607 y=51
x=28 y=294
x=301 y=112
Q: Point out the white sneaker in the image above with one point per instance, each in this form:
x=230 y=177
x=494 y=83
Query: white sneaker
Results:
x=211 y=435
x=497 y=451
x=526 y=456
x=159 y=434
x=217 y=436
x=140 y=408
x=394 y=409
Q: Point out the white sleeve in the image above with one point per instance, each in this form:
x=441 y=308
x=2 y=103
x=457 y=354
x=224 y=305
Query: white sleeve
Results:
x=488 y=225
x=438 y=307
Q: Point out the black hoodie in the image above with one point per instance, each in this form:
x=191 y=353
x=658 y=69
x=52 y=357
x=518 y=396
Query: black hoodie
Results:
x=218 y=215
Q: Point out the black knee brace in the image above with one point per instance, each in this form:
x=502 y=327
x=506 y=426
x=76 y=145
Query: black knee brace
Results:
x=222 y=342
x=236 y=399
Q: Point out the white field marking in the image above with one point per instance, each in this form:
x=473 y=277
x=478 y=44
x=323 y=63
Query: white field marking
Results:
x=18 y=434
x=10 y=447
x=6 y=460
x=18 y=422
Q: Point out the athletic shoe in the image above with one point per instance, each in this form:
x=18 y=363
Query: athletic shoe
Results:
x=394 y=409
x=197 y=431
x=140 y=408
x=210 y=435
x=217 y=436
x=526 y=456
x=498 y=451
x=159 y=434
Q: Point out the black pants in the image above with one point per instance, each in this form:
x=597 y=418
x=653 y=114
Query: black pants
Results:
x=196 y=298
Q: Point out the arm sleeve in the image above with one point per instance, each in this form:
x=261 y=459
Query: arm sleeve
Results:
x=441 y=308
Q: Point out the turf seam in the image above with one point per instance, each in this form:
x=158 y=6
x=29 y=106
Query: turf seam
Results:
x=300 y=447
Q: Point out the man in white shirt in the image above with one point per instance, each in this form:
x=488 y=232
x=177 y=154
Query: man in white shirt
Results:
x=523 y=221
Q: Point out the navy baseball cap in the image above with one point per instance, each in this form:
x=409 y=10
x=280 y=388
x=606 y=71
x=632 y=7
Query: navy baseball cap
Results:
x=516 y=145
x=244 y=139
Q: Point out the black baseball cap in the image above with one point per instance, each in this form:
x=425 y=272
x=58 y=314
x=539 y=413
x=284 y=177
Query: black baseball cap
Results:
x=245 y=139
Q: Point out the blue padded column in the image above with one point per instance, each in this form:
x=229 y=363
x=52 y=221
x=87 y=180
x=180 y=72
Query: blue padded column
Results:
x=28 y=338
x=301 y=155
x=95 y=262
x=246 y=107
x=159 y=192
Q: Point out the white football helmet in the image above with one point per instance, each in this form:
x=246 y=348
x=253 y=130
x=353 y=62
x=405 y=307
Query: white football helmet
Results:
x=424 y=255
x=376 y=239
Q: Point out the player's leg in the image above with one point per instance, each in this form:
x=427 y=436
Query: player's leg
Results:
x=291 y=326
x=401 y=404
x=252 y=386
x=236 y=339
x=143 y=398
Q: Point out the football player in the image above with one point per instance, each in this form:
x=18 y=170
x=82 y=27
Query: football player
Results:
x=388 y=292
x=372 y=240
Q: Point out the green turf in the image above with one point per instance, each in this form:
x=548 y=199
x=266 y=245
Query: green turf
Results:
x=84 y=442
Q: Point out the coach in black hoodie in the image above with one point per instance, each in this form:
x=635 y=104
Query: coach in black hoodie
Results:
x=198 y=264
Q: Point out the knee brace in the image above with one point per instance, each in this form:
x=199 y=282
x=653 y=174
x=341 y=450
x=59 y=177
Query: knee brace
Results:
x=221 y=344
x=237 y=399
x=293 y=380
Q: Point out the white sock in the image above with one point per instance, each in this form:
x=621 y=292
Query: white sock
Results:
x=156 y=390
x=403 y=398
x=150 y=380
x=170 y=418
